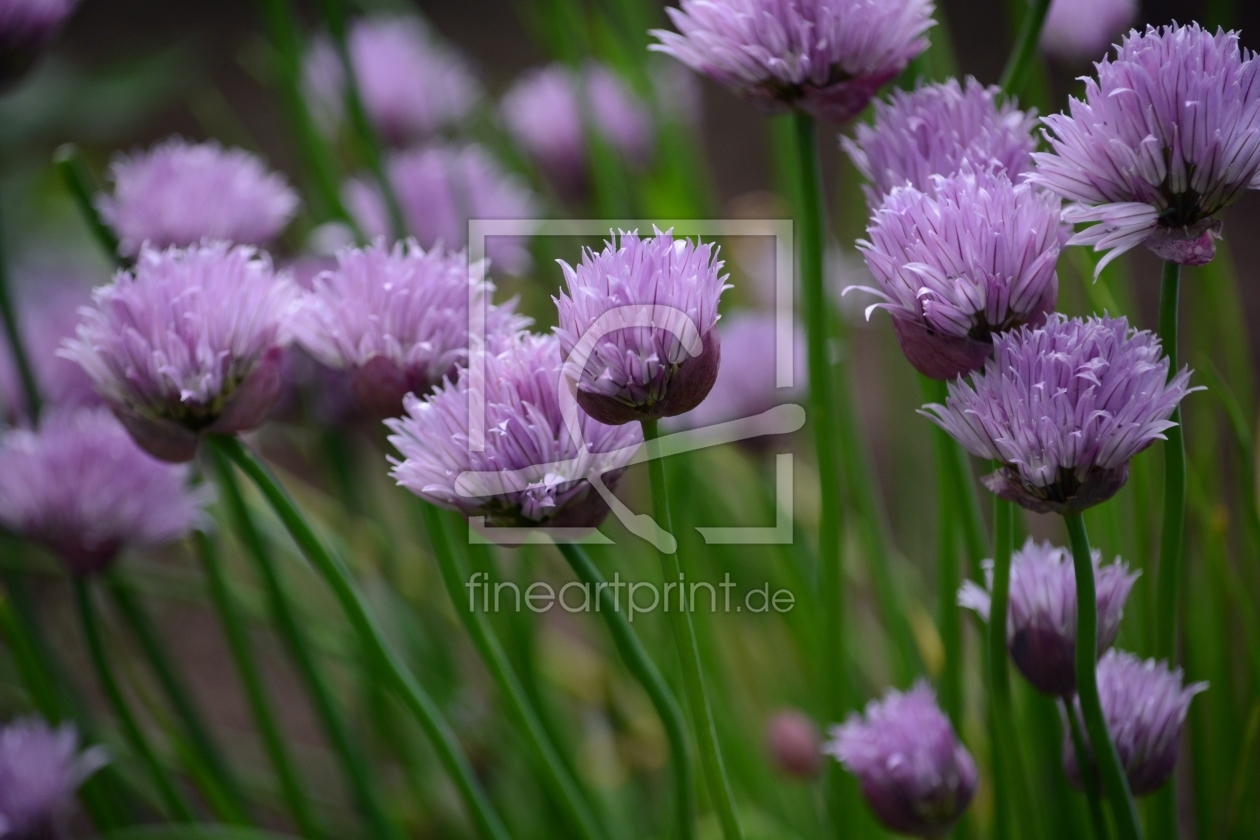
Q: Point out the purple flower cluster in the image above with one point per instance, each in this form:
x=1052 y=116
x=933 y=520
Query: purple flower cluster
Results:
x=1079 y=31
x=40 y=770
x=49 y=314
x=26 y=27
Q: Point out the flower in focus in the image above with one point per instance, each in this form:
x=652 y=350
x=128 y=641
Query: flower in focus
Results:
x=1167 y=136
x=974 y=258
x=26 y=27
x=532 y=470
x=411 y=85
x=828 y=57
x=640 y=317
x=440 y=188
x=1063 y=409
x=179 y=193
x=41 y=768
x=795 y=744
x=81 y=487
x=1079 y=31
x=934 y=130
x=1145 y=706
x=188 y=342
x=1041 y=613
x=398 y=318
x=915 y=775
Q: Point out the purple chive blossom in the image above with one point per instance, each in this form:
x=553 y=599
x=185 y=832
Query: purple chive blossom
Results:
x=640 y=316
x=937 y=129
x=956 y=267
x=398 y=318
x=828 y=57
x=41 y=768
x=1041 y=613
x=26 y=27
x=179 y=193
x=915 y=775
x=440 y=188
x=81 y=487
x=411 y=85
x=532 y=470
x=1145 y=705
x=1080 y=31
x=189 y=341
x=1063 y=409
x=1168 y=136
x=795 y=744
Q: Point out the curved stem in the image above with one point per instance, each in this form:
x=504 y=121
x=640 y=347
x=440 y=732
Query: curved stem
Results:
x=1089 y=774
x=715 y=777
x=1168 y=577
x=13 y=332
x=1015 y=74
x=82 y=186
x=1114 y=780
x=645 y=671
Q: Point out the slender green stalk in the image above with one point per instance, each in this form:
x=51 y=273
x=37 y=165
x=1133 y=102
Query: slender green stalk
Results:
x=1115 y=783
x=13 y=333
x=968 y=500
x=166 y=789
x=1019 y=65
x=260 y=705
x=82 y=186
x=949 y=577
x=714 y=769
x=645 y=671
x=389 y=667
x=1089 y=773
x=1172 y=537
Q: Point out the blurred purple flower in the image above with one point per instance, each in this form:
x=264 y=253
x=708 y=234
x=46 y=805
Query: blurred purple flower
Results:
x=1079 y=31
x=188 y=342
x=81 y=487
x=411 y=85
x=795 y=744
x=934 y=130
x=534 y=472
x=915 y=775
x=641 y=314
x=41 y=768
x=828 y=57
x=1063 y=409
x=1167 y=137
x=956 y=267
x=179 y=193
x=440 y=189
x=1145 y=706
x=1041 y=613
x=26 y=27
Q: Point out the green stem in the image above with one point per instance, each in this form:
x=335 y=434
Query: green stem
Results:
x=964 y=488
x=169 y=794
x=83 y=188
x=1089 y=773
x=1115 y=783
x=949 y=577
x=1168 y=579
x=385 y=660
x=242 y=654
x=13 y=333
x=714 y=769
x=645 y=671
x=1019 y=65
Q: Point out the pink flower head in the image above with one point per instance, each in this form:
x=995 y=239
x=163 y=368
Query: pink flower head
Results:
x=188 y=342
x=828 y=57
x=26 y=27
x=640 y=315
x=398 y=318
x=1167 y=136
x=41 y=768
x=440 y=189
x=795 y=744
x=937 y=130
x=532 y=471
x=1041 y=613
x=974 y=258
x=81 y=487
x=1063 y=408
x=915 y=775
x=1080 y=31
x=179 y=193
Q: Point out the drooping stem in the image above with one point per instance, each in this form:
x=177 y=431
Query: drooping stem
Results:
x=82 y=187
x=711 y=763
x=1115 y=783
x=1089 y=773
x=1168 y=583
x=13 y=334
x=645 y=671
x=1018 y=66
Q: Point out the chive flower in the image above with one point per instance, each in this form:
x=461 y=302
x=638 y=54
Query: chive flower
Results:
x=41 y=768
x=1079 y=31
x=47 y=315
x=26 y=28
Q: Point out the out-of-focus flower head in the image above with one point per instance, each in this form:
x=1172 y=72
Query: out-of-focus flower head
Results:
x=1063 y=409
x=795 y=744
x=41 y=768
x=26 y=27
x=398 y=318
x=81 y=487
x=188 y=342
x=935 y=130
x=640 y=315
x=828 y=57
x=532 y=471
x=1145 y=706
x=915 y=775
x=1041 y=613
x=179 y=193
x=440 y=188
x=1080 y=31
x=955 y=267
x=411 y=85
x=1167 y=136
